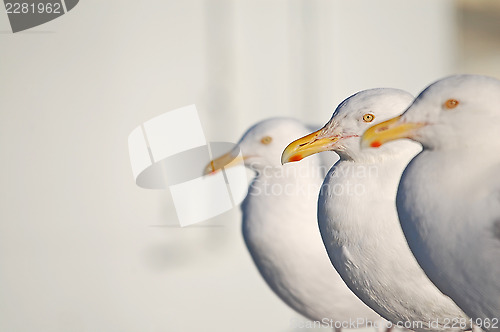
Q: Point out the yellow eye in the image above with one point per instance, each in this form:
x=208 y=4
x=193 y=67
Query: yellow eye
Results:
x=368 y=117
x=266 y=140
x=451 y=103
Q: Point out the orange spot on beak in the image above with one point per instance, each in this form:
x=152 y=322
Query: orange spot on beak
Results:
x=211 y=169
x=296 y=158
x=375 y=144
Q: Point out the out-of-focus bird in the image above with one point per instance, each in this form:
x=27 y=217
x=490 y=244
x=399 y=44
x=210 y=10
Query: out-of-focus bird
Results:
x=449 y=196
x=358 y=218
x=280 y=228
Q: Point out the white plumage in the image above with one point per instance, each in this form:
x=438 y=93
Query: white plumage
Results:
x=358 y=218
x=449 y=196
x=280 y=227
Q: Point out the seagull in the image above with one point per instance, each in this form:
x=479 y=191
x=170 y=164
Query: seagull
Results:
x=280 y=228
x=358 y=219
x=449 y=196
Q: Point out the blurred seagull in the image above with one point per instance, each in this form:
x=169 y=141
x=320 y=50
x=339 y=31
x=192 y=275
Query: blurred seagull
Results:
x=449 y=197
x=280 y=228
x=358 y=219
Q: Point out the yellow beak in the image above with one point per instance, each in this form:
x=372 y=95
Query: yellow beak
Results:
x=226 y=160
x=387 y=131
x=306 y=146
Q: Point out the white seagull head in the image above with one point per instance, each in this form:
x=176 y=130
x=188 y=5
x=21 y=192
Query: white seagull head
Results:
x=261 y=145
x=351 y=118
x=454 y=112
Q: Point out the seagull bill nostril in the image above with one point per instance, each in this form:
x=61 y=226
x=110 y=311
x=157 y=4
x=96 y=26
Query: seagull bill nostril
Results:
x=387 y=131
x=226 y=160
x=308 y=145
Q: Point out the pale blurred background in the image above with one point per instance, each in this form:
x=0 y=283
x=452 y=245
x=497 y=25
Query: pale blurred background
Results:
x=82 y=248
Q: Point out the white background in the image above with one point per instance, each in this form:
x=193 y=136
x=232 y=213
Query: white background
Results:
x=84 y=249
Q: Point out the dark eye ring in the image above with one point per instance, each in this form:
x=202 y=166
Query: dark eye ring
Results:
x=368 y=117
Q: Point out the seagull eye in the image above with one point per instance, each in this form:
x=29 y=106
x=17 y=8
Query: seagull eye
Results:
x=266 y=140
x=451 y=104
x=368 y=117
